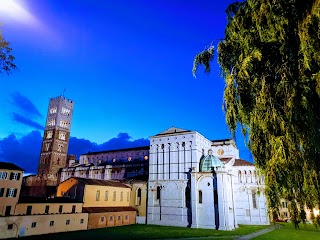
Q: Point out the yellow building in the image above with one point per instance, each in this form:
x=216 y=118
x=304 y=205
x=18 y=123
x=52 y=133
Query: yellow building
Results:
x=138 y=198
x=95 y=193
x=106 y=201
x=10 y=185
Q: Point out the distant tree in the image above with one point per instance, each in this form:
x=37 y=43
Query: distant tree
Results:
x=270 y=60
x=6 y=57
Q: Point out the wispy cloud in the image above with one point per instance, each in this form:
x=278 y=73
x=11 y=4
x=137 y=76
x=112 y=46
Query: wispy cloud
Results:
x=27 y=121
x=25 y=105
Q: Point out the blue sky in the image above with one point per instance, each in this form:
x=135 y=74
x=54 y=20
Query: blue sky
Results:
x=126 y=64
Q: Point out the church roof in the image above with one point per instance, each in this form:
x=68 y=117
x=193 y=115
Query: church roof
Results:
x=10 y=166
x=100 y=182
x=119 y=150
x=107 y=209
x=173 y=130
x=240 y=162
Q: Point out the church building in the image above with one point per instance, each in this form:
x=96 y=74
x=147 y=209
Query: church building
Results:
x=198 y=183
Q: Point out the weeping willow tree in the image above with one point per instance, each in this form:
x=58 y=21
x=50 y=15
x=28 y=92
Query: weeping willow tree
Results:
x=270 y=60
x=6 y=57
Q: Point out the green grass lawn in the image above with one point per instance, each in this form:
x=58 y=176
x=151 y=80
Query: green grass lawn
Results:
x=288 y=232
x=135 y=232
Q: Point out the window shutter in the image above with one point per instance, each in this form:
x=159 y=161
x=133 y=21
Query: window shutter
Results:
x=11 y=176
x=1 y=192
x=15 y=193
x=19 y=174
x=7 y=192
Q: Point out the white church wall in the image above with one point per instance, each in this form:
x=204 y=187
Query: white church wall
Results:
x=172 y=157
x=250 y=200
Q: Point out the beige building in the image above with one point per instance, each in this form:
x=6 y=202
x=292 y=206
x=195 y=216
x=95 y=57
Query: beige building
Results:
x=106 y=201
x=101 y=217
x=284 y=211
x=38 y=215
x=10 y=185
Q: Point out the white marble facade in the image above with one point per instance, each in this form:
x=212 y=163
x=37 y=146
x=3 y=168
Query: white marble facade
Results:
x=195 y=182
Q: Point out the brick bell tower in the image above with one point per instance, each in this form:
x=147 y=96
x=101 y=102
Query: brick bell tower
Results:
x=55 y=141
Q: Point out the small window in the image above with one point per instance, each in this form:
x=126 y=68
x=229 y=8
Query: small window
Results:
x=102 y=218
x=33 y=225
x=60 y=208
x=106 y=195
x=138 y=197
x=114 y=196
x=119 y=217
x=68 y=222
x=111 y=218
x=47 y=209
x=121 y=196
x=200 y=196
x=285 y=204
x=1 y=192
x=285 y=214
x=29 y=210
x=73 y=208
x=127 y=217
x=81 y=221
x=3 y=175
x=158 y=193
x=98 y=195
x=10 y=226
x=11 y=192
x=51 y=223
x=14 y=176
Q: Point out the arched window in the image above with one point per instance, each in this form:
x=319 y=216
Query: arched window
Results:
x=106 y=195
x=245 y=176
x=98 y=195
x=158 y=193
x=239 y=176
x=138 y=197
x=250 y=177
x=200 y=196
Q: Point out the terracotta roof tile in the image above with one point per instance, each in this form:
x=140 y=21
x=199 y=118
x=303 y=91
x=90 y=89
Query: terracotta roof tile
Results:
x=240 y=162
x=99 y=182
x=225 y=160
x=107 y=209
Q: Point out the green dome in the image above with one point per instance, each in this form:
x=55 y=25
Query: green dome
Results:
x=208 y=162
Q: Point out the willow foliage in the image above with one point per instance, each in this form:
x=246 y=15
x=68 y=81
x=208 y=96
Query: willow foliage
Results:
x=270 y=60
x=6 y=57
